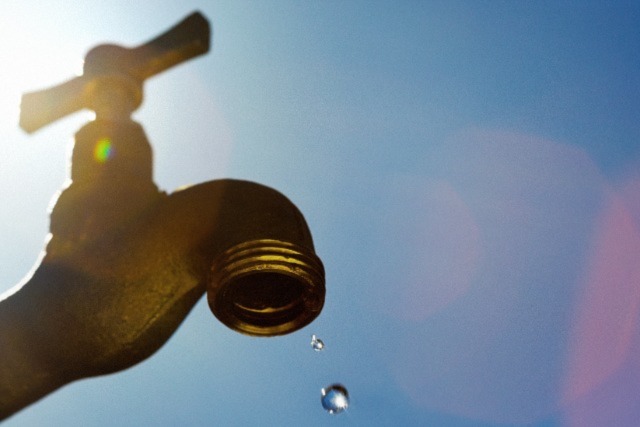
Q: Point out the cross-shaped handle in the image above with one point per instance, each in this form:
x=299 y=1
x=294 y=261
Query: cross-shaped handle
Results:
x=112 y=72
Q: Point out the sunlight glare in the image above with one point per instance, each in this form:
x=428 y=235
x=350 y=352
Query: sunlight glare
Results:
x=30 y=64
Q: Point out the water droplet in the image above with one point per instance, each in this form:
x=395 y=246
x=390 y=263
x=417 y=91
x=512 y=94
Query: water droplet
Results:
x=316 y=343
x=335 y=398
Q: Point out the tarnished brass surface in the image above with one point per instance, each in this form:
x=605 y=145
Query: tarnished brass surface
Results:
x=266 y=287
x=126 y=262
x=125 y=259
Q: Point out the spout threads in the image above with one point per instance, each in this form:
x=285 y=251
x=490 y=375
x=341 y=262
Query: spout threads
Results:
x=266 y=287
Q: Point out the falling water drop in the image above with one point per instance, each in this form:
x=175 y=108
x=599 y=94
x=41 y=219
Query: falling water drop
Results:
x=335 y=398
x=316 y=343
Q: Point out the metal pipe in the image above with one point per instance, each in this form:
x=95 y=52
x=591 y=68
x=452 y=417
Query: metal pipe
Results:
x=126 y=262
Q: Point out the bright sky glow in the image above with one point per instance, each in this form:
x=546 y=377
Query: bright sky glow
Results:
x=469 y=172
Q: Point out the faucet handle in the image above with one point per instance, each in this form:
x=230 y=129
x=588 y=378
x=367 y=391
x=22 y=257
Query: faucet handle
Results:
x=112 y=77
x=187 y=39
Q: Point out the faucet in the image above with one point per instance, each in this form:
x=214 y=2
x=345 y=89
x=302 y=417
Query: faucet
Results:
x=125 y=262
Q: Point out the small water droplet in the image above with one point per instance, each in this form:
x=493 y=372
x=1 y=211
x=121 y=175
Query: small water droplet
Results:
x=335 y=398
x=316 y=343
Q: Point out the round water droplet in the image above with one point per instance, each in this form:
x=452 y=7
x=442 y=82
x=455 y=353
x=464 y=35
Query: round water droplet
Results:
x=335 y=398
x=316 y=343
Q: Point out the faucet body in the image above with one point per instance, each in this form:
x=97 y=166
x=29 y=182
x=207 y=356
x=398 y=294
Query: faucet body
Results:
x=126 y=262
x=146 y=255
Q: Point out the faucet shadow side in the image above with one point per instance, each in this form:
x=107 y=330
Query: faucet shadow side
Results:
x=125 y=263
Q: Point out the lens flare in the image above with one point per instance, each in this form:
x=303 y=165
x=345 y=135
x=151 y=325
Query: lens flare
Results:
x=503 y=231
x=103 y=150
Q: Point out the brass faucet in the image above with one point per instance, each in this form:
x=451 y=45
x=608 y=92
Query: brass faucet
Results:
x=126 y=262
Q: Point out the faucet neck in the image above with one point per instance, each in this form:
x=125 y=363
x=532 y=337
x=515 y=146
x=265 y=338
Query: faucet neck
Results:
x=113 y=153
x=111 y=185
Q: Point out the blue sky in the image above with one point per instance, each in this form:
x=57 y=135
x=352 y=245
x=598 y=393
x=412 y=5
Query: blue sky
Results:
x=470 y=172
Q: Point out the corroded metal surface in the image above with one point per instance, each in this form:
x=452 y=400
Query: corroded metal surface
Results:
x=126 y=262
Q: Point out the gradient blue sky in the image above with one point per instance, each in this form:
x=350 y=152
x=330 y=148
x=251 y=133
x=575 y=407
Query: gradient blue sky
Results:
x=470 y=172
